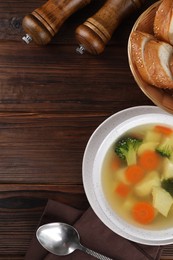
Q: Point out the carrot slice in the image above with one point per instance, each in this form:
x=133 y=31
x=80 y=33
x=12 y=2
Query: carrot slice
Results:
x=149 y=160
x=134 y=173
x=122 y=189
x=163 y=129
x=143 y=212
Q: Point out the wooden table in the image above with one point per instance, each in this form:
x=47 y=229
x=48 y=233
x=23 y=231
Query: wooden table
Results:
x=51 y=100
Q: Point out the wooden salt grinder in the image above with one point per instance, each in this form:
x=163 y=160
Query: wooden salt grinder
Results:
x=97 y=30
x=44 y=22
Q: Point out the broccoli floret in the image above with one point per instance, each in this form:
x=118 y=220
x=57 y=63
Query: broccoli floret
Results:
x=126 y=149
x=165 y=149
x=167 y=184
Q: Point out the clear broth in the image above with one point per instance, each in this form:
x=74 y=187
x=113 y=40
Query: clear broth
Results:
x=110 y=177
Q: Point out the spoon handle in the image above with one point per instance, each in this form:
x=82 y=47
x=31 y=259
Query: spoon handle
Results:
x=95 y=254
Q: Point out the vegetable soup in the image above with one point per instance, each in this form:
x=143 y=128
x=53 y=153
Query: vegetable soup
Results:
x=137 y=176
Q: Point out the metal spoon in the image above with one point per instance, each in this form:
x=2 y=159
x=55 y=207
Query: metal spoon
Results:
x=62 y=239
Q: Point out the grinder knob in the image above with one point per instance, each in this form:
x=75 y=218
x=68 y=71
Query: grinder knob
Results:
x=44 y=22
x=97 y=30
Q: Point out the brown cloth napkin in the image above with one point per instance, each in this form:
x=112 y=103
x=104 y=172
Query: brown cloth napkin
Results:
x=93 y=234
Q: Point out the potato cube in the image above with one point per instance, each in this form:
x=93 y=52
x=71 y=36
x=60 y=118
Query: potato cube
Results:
x=147 y=146
x=167 y=169
x=120 y=175
x=144 y=187
x=162 y=200
x=152 y=136
x=129 y=203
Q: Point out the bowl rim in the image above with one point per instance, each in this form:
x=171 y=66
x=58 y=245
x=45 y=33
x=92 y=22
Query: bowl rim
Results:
x=92 y=185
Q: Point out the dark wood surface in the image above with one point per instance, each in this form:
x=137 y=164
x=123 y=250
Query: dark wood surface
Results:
x=51 y=100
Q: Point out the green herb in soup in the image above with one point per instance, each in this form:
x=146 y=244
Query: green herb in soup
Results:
x=138 y=176
x=167 y=184
x=165 y=149
x=126 y=149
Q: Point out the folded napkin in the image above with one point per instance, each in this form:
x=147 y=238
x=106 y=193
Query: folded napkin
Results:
x=93 y=234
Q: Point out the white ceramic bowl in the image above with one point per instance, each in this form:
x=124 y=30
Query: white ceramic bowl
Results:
x=99 y=143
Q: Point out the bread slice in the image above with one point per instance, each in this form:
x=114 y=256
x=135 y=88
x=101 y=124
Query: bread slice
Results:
x=153 y=59
x=158 y=56
x=138 y=41
x=163 y=21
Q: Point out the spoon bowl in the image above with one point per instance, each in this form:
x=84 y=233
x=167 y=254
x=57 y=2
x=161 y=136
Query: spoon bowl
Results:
x=58 y=238
x=62 y=239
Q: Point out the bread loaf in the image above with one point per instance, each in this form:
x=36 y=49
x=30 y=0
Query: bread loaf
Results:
x=138 y=42
x=163 y=21
x=153 y=59
x=157 y=56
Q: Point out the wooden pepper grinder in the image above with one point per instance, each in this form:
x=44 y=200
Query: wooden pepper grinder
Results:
x=97 y=30
x=44 y=22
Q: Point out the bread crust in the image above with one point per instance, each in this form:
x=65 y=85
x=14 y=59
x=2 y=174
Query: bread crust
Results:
x=157 y=56
x=153 y=59
x=138 y=42
x=163 y=21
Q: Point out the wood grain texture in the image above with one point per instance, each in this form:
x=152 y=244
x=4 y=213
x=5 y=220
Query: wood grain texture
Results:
x=51 y=100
